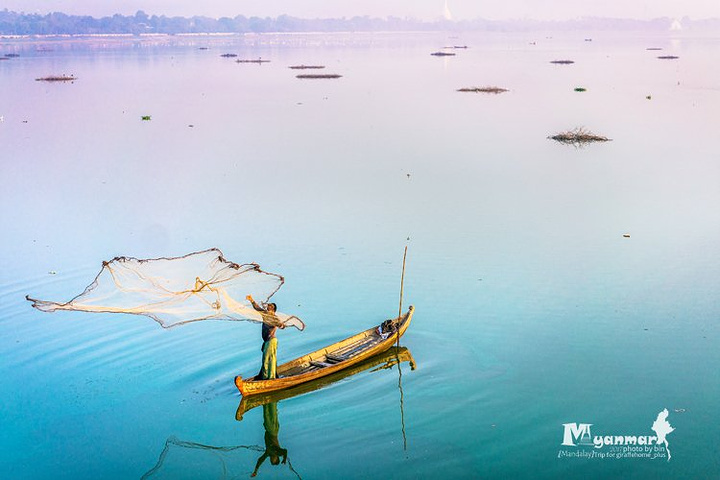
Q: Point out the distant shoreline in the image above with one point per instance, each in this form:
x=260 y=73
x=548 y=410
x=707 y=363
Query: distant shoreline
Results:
x=218 y=35
x=20 y=25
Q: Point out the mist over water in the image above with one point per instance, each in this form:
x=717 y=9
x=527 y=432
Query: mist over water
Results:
x=532 y=307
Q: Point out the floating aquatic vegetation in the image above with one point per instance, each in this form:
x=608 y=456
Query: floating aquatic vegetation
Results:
x=146 y=118
x=494 y=90
x=178 y=290
x=12 y=55
x=580 y=89
x=318 y=75
x=443 y=54
x=228 y=55
x=653 y=48
x=306 y=67
x=668 y=57
x=562 y=62
x=578 y=137
x=258 y=60
x=57 y=78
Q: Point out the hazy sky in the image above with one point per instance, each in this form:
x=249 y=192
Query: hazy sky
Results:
x=422 y=9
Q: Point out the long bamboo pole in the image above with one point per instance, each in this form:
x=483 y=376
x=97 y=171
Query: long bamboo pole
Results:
x=402 y=281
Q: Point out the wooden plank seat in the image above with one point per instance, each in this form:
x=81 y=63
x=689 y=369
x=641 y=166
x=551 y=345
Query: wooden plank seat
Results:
x=318 y=364
x=335 y=358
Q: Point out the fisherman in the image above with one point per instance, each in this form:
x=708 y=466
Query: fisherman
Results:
x=268 y=370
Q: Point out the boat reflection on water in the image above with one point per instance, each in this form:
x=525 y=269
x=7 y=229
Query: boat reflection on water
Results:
x=196 y=460
x=388 y=359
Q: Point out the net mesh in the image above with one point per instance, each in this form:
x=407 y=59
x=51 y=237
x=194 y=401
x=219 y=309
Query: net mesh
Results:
x=179 y=290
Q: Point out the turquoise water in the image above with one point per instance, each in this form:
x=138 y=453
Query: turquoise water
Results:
x=532 y=308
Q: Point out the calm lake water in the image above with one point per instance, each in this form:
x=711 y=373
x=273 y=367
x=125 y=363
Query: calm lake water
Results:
x=533 y=309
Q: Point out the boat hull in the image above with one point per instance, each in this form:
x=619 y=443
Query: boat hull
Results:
x=389 y=358
x=254 y=386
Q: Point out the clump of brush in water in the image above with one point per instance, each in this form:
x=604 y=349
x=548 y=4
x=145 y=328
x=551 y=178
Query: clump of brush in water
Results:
x=578 y=137
x=57 y=78
x=494 y=90
x=305 y=67
x=324 y=75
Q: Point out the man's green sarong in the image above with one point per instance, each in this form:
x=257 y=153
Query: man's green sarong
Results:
x=269 y=359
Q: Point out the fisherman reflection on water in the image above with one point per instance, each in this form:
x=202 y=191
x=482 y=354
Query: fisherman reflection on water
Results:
x=270 y=324
x=272 y=445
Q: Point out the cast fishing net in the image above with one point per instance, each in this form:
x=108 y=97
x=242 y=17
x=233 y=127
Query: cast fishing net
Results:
x=179 y=290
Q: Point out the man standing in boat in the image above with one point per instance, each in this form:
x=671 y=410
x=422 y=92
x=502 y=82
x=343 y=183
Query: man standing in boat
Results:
x=268 y=370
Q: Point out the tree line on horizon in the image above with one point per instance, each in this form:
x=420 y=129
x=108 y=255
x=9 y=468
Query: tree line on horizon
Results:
x=57 y=23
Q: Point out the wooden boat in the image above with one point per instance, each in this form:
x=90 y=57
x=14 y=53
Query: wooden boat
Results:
x=327 y=360
x=387 y=359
